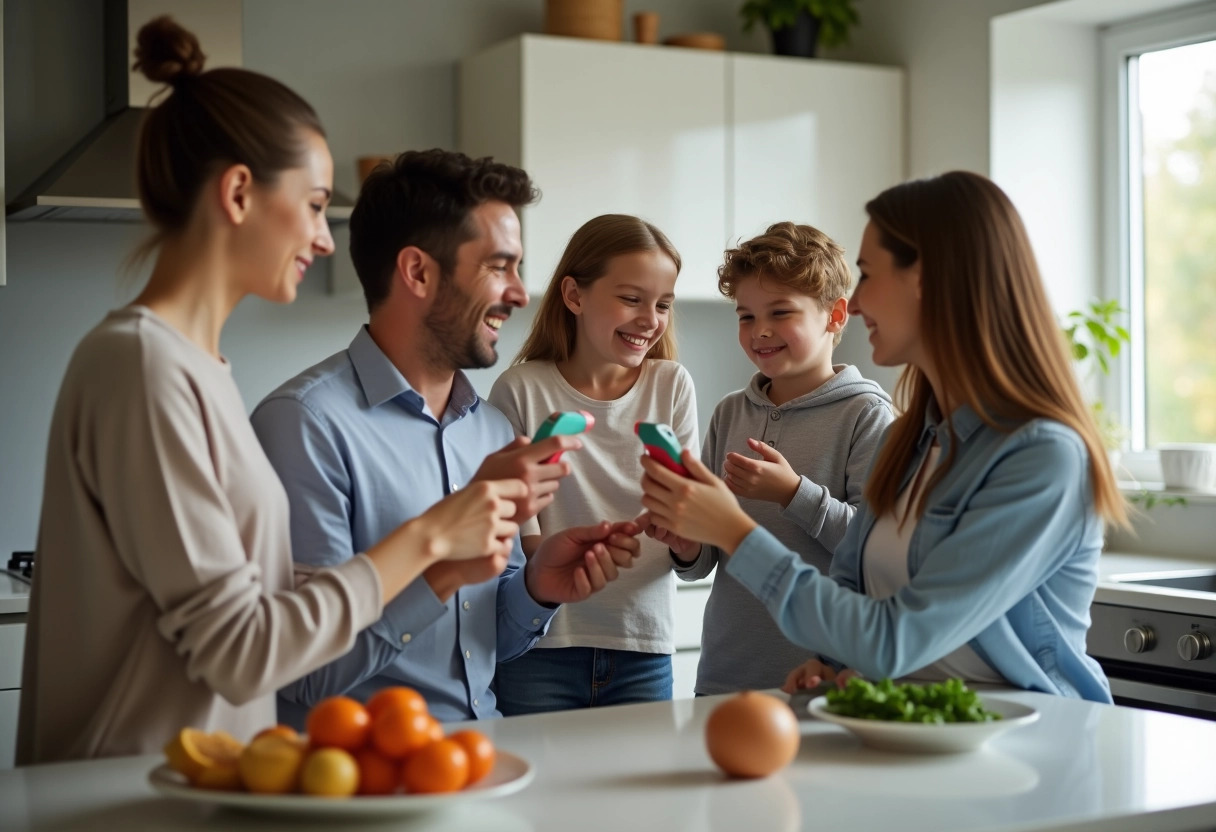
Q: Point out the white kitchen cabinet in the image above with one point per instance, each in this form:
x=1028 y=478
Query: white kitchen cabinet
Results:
x=711 y=147
x=812 y=141
x=605 y=128
x=12 y=647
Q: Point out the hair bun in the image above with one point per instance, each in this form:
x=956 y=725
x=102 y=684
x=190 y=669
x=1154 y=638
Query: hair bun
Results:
x=166 y=53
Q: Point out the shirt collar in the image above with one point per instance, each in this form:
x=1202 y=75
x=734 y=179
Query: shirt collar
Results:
x=966 y=422
x=382 y=382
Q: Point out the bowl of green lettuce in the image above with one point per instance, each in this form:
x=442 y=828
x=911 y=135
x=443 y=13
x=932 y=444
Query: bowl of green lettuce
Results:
x=937 y=718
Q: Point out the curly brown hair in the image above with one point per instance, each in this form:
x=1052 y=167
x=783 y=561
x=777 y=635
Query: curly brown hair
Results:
x=797 y=256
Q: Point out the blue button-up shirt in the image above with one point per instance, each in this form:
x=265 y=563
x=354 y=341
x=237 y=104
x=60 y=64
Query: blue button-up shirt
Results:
x=1004 y=559
x=359 y=453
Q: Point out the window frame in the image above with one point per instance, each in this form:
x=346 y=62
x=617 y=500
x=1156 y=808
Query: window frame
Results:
x=1123 y=275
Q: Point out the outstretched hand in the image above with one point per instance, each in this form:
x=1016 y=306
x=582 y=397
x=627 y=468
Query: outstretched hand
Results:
x=573 y=564
x=769 y=478
x=524 y=460
x=685 y=550
x=699 y=508
x=813 y=672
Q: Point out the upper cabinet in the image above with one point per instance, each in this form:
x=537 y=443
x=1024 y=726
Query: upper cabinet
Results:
x=708 y=146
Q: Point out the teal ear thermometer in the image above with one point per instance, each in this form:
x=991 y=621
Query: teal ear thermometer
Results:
x=567 y=423
x=662 y=445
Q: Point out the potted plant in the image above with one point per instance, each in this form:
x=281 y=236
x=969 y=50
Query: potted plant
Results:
x=798 y=26
x=1095 y=338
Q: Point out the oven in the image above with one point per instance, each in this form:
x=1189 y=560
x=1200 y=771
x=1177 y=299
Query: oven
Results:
x=1154 y=634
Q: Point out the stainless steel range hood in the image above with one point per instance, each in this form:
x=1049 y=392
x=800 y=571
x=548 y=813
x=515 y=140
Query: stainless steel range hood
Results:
x=95 y=180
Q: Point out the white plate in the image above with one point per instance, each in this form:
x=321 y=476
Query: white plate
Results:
x=927 y=737
x=510 y=774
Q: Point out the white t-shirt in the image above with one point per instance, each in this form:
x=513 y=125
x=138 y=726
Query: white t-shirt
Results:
x=885 y=568
x=636 y=611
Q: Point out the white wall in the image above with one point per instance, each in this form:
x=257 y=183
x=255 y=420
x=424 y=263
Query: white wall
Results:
x=381 y=73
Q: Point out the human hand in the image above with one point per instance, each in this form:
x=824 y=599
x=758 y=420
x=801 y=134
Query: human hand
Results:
x=447 y=576
x=814 y=672
x=685 y=550
x=473 y=522
x=699 y=507
x=524 y=460
x=573 y=564
x=769 y=478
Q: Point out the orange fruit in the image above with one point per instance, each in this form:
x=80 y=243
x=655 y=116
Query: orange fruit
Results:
x=397 y=732
x=284 y=731
x=329 y=772
x=338 y=722
x=377 y=773
x=209 y=761
x=401 y=697
x=441 y=766
x=436 y=729
x=271 y=764
x=480 y=750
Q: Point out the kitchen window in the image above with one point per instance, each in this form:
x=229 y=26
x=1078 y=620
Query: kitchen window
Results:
x=1160 y=195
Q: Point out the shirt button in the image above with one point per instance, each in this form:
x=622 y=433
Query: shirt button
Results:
x=466 y=605
x=468 y=654
x=407 y=638
x=535 y=622
x=455 y=486
x=775 y=415
x=475 y=702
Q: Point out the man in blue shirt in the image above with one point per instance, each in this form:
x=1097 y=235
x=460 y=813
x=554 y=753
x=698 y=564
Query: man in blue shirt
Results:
x=377 y=433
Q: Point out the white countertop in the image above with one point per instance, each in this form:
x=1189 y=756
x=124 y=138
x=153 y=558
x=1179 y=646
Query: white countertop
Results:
x=1109 y=591
x=640 y=767
x=14 y=594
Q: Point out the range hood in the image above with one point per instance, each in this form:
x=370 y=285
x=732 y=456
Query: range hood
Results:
x=95 y=180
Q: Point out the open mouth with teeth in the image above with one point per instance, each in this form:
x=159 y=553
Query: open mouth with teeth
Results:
x=635 y=341
x=765 y=352
x=494 y=322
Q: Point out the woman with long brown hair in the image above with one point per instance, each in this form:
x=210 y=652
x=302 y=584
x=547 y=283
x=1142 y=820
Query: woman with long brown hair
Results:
x=974 y=552
x=163 y=593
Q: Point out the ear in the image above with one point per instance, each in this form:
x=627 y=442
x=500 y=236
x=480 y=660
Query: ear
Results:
x=838 y=315
x=236 y=193
x=572 y=295
x=417 y=271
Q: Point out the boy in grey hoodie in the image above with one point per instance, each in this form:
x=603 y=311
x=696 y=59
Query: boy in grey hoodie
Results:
x=795 y=445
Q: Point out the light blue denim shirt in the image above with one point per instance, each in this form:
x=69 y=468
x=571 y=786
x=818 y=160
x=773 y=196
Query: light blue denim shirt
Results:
x=360 y=453
x=1004 y=559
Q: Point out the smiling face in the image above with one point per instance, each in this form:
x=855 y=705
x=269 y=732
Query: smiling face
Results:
x=887 y=298
x=787 y=334
x=621 y=316
x=289 y=229
x=473 y=302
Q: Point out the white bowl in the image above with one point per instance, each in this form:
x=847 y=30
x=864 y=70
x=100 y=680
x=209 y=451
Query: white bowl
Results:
x=919 y=737
x=1188 y=465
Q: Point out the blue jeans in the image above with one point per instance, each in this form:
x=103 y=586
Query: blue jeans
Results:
x=565 y=678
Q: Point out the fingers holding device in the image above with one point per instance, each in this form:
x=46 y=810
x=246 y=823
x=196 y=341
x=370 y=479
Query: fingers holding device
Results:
x=567 y=423
x=661 y=445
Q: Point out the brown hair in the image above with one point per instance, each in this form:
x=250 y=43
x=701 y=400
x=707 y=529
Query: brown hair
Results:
x=208 y=119
x=586 y=260
x=423 y=198
x=994 y=341
x=797 y=256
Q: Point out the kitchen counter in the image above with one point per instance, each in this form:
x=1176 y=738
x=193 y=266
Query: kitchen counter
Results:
x=1082 y=766
x=1111 y=591
x=14 y=594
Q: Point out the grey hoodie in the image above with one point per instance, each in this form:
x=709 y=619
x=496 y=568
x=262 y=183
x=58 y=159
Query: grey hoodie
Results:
x=829 y=436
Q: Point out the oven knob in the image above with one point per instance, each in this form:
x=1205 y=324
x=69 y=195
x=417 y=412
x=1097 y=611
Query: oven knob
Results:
x=1194 y=646
x=1139 y=640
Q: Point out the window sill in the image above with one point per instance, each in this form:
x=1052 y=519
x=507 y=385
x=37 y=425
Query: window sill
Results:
x=1138 y=492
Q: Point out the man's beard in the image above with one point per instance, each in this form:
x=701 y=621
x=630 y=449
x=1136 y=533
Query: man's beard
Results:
x=453 y=326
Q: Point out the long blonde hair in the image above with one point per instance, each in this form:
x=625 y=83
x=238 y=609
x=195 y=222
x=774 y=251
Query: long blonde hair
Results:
x=991 y=333
x=586 y=260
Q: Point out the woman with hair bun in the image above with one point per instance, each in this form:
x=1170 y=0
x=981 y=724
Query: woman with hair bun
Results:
x=164 y=594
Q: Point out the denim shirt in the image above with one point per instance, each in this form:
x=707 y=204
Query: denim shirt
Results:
x=1004 y=559
x=359 y=453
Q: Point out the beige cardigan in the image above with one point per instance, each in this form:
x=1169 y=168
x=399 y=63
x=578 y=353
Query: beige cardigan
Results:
x=164 y=593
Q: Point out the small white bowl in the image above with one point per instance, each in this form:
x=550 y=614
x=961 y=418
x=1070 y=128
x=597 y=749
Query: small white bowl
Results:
x=918 y=737
x=1191 y=466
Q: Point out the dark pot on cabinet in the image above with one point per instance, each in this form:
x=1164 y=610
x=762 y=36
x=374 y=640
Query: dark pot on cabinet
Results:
x=799 y=40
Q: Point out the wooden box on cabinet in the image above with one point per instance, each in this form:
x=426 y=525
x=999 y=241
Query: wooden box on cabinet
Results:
x=711 y=147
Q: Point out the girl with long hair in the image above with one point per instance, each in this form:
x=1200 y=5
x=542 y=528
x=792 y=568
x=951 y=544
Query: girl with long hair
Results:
x=602 y=342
